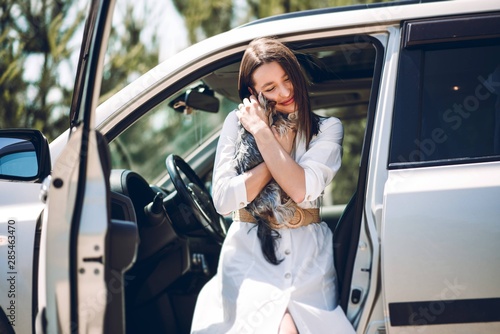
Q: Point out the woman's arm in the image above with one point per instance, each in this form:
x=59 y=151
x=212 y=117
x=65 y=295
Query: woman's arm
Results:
x=274 y=150
x=230 y=190
x=306 y=178
x=255 y=180
x=283 y=168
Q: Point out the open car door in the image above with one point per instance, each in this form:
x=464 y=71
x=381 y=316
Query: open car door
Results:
x=80 y=286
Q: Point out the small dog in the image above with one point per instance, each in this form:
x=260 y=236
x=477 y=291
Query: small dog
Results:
x=270 y=202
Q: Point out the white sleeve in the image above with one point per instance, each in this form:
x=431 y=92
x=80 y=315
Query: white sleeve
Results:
x=229 y=190
x=323 y=158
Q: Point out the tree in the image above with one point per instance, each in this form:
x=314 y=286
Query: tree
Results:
x=37 y=43
x=206 y=18
x=128 y=57
x=11 y=67
x=34 y=34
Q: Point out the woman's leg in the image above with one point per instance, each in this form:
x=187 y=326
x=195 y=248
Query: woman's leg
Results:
x=287 y=325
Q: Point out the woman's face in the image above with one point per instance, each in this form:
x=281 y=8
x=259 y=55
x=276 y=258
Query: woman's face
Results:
x=275 y=85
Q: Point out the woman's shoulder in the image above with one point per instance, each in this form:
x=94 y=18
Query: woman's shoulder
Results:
x=230 y=126
x=231 y=116
x=231 y=119
x=330 y=130
x=330 y=124
x=329 y=121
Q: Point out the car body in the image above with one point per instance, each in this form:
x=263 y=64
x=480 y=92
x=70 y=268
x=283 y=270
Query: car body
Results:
x=414 y=237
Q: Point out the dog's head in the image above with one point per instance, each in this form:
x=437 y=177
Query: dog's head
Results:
x=282 y=122
x=268 y=106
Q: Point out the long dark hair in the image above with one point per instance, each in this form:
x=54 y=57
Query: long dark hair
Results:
x=263 y=51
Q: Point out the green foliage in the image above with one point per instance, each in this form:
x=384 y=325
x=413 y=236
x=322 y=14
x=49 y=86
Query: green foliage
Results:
x=345 y=182
x=128 y=56
x=37 y=41
x=11 y=80
x=34 y=44
x=205 y=18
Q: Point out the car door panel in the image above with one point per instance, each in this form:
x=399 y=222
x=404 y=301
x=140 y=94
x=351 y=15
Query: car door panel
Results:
x=53 y=275
x=73 y=294
x=440 y=218
x=438 y=252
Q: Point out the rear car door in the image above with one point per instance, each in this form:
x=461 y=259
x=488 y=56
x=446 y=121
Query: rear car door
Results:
x=440 y=228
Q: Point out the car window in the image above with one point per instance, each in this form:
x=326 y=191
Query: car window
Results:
x=448 y=105
x=342 y=80
x=145 y=145
x=340 y=74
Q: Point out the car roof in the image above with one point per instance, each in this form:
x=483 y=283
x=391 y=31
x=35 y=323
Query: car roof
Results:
x=339 y=9
x=354 y=20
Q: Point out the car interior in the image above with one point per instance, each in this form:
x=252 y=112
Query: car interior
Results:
x=163 y=185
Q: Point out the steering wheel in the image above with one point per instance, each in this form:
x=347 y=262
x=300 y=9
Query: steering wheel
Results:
x=193 y=194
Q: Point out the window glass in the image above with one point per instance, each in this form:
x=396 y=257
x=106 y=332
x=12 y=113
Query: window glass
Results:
x=342 y=79
x=344 y=184
x=448 y=105
x=145 y=145
x=460 y=102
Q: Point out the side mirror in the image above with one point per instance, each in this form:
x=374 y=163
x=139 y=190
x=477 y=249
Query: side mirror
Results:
x=24 y=155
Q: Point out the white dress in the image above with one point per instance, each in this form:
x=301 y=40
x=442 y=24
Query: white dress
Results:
x=249 y=294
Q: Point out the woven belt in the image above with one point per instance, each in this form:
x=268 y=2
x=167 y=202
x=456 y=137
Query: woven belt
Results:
x=301 y=217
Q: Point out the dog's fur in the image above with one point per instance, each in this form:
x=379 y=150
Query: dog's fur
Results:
x=269 y=203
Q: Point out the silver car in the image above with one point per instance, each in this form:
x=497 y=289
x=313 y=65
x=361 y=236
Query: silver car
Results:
x=123 y=234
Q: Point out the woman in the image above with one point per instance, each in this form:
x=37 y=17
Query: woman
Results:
x=289 y=287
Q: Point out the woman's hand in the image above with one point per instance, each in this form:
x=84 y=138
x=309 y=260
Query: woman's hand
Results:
x=252 y=116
